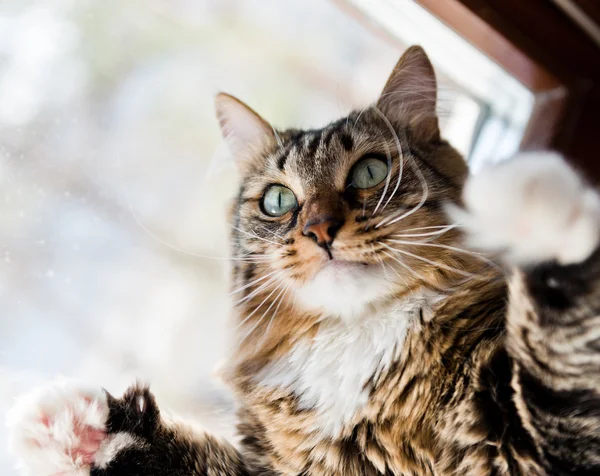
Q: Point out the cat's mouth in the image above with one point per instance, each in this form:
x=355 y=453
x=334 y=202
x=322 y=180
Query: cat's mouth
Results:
x=339 y=272
x=343 y=288
x=337 y=265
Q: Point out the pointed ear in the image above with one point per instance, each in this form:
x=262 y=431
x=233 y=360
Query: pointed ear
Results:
x=410 y=94
x=244 y=131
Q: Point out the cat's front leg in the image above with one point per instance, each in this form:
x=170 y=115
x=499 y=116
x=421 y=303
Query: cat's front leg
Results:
x=532 y=209
x=67 y=429
x=543 y=219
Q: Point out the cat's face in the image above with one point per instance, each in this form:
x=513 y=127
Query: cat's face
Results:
x=331 y=217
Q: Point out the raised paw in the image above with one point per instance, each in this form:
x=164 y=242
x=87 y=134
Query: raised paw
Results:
x=58 y=429
x=68 y=429
x=534 y=208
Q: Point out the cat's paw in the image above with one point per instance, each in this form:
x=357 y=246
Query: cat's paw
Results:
x=534 y=208
x=67 y=428
x=59 y=429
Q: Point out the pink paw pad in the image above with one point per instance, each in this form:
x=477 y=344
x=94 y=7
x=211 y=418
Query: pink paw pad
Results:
x=58 y=430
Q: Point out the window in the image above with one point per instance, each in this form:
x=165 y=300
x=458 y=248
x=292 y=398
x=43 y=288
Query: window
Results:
x=484 y=110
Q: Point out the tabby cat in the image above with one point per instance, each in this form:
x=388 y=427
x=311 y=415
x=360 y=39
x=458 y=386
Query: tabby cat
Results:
x=370 y=340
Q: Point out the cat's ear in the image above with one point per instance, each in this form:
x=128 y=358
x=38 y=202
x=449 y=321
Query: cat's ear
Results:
x=410 y=94
x=244 y=131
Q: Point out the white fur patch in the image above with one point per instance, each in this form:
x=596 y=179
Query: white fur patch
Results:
x=49 y=426
x=113 y=445
x=534 y=208
x=343 y=289
x=329 y=373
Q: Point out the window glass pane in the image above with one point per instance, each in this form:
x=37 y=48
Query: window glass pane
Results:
x=484 y=109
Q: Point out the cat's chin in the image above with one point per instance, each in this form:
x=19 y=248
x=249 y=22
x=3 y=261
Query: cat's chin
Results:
x=344 y=289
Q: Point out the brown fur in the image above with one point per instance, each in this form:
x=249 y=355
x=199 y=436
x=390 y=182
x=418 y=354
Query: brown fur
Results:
x=460 y=396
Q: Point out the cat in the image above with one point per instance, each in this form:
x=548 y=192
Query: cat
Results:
x=370 y=340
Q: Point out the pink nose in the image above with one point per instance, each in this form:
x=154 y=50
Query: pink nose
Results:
x=322 y=230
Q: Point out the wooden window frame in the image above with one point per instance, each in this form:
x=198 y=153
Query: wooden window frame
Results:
x=543 y=47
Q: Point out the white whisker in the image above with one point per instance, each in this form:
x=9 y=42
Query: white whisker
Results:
x=447 y=247
x=251 y=283
x=361 y=113
x=390 y=220
x=437 y=264
x=279 y=142
x=381 y=262
x=176 y=248
x=387 y=179
x=430 y=233
x=400 y=158
x=272 y=232
x=455 y=225
x=279 y=297
x=259 y=306
x=404 y=265
x=258 y=290
x=260 y=319
x=285 y=290
x=254 y=235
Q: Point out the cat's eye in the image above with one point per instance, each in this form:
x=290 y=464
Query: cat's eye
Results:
x=368 y=172
x=278 y=200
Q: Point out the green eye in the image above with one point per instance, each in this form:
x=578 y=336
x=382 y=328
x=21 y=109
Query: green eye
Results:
x=368 y=172
x=278 y=200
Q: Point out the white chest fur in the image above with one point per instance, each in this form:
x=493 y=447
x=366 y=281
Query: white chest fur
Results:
x=329 y=372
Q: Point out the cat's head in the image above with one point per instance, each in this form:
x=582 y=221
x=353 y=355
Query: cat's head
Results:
x=340 y=218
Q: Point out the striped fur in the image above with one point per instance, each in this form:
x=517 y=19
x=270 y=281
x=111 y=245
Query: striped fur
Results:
x=410 y=355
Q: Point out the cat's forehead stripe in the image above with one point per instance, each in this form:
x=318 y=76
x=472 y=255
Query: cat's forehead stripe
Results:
x=283 y=155
x=313 y=142
x=288 y=149
x=347 y=141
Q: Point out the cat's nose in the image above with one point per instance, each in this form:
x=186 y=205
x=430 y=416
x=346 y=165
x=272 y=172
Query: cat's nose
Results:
x=322 y=230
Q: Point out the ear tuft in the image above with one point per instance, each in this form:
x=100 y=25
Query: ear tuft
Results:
x=245 y=132
x=410 y=94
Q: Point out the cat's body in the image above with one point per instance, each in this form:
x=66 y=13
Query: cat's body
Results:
x=369 y=342
x=402 y=415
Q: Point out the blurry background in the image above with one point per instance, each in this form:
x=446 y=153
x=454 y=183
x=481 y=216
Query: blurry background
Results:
x=114 y=182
